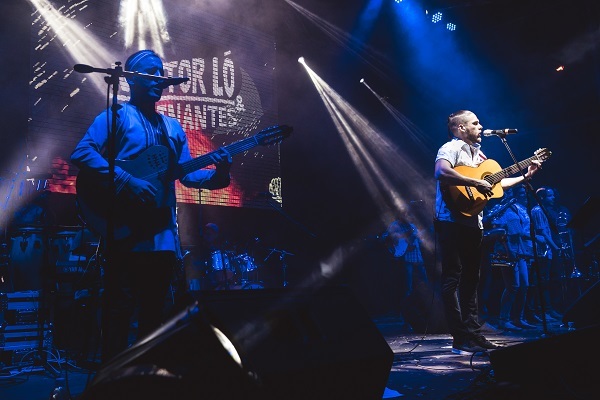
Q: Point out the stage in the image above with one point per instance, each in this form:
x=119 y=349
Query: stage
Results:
x=423 y=368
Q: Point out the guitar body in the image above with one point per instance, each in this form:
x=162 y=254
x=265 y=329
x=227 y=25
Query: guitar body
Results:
x=398 y=239
x=398 y=249
x=466 y=199
x=151 y=166
x=94 y=199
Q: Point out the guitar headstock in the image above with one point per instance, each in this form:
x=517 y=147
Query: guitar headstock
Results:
x=542 y=154
x=273 y=134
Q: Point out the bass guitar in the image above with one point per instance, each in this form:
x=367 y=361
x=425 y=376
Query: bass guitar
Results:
x=469 y=201
x=93 y=190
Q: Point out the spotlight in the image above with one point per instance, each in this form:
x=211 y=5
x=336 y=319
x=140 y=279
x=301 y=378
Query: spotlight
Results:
x=560 y=68
x=451 y=27
x=362 y=80
x=437 y=17
x=301 y=60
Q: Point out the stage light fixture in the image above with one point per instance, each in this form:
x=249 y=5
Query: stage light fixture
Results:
x=450 y=26
x=143 y=21
x=371 y=151
x=437 y=17
x=80 y=44
x=301 y=60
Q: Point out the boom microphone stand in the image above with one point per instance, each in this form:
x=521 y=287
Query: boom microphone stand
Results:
x=112 y=80
x=536 y=260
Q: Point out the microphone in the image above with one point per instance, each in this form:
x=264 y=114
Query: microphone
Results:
x=498 y=132
x=166 y=82
x=84 y=69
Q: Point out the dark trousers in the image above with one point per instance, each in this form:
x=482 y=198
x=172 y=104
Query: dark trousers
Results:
x=134 y=279
x=460 y=248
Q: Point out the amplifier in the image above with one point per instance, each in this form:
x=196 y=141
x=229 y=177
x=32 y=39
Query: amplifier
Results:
x=23 y=337
x=19 y=307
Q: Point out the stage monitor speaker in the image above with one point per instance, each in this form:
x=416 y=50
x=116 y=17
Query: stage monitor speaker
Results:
x=552 y=364
x=585 y=311
x=293 y=344
x=305 y=344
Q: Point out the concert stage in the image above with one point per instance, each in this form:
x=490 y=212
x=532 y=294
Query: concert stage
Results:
x=423 y=368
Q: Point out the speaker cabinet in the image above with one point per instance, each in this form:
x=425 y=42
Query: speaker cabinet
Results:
x=293 y=344
x=553 y=364
x=585 y=311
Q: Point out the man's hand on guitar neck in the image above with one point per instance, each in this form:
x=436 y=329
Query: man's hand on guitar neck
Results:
x=221 y=158
x=141 y=190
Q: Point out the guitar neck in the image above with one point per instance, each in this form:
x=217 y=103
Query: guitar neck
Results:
x=205 y=160
x=506 y=172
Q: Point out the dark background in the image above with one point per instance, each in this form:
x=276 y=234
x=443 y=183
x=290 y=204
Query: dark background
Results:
x=500 y=62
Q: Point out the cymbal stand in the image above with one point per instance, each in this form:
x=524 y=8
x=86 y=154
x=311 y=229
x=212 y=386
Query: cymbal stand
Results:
x=282 y=255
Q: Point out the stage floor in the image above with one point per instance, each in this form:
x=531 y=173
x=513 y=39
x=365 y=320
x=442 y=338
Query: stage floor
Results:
x=424 y=367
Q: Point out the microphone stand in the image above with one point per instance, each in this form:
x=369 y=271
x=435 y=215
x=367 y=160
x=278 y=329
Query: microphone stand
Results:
x=536 y=260
x=282 y=254
x=271 y=204
x=112 y=80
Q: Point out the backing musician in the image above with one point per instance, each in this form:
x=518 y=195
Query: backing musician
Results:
x=515 y=274
x=404 y=243
x=143 y=262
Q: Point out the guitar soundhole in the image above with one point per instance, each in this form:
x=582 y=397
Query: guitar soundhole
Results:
x=156 y=161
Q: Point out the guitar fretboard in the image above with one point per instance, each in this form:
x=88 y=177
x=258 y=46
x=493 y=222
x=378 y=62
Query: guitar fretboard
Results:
x=506 y=172
x=206 y=160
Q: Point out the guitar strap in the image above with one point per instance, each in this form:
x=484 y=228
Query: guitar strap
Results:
x=164 y=133
x=164 y=139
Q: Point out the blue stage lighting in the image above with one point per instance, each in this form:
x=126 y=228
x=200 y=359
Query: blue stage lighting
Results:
x=437 y=17
x=450 y=26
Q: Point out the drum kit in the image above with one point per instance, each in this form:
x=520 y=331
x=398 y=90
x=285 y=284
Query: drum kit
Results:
x=223 y=270
x=227 y=269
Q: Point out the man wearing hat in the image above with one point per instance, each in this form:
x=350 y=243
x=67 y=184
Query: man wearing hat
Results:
x=140 y=271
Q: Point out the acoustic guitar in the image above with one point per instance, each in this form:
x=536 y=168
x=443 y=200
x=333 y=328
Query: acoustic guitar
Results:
x=469 y=201
x=152 y=165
